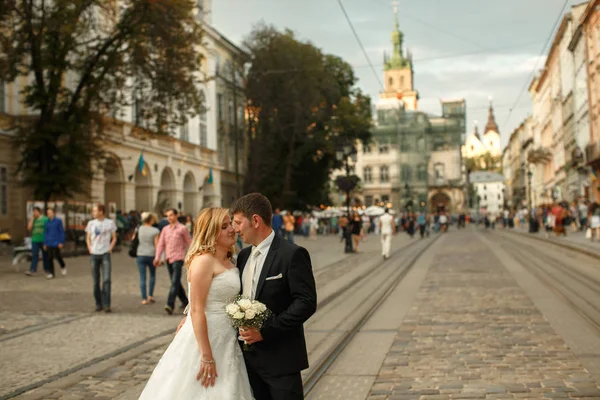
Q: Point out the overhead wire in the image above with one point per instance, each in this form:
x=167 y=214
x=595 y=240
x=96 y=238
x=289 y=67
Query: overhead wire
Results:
x=360 y=43
x=535 y=67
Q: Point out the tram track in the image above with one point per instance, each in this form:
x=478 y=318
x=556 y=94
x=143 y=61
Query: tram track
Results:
x=18 y=333
x=322 y=365
x=576 y=288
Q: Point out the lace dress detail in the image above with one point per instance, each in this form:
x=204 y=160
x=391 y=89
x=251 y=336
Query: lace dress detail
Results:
x=175 y=375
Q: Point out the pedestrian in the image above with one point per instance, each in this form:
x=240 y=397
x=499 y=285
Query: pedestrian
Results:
x=54 y=240
x=355 y=228
x=288 y=225
x=163 y=222
x=174 y=241
x=147 y=239
x=189 y=225
x=101 y=238
x=422 y=222
x=37 y=225
x=277 y=223
x=387 y=227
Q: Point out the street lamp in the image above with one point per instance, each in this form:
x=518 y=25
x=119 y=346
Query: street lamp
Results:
x=343 y=154
x=529 y=175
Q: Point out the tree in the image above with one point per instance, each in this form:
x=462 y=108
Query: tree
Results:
x=89 y=59
x=302 y=106
x=484 y=162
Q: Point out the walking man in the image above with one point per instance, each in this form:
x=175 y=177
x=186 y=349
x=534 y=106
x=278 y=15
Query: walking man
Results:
x=37 y=225
x=174 y=241
x=387 y=227
x=54 y=239
x=101 y=238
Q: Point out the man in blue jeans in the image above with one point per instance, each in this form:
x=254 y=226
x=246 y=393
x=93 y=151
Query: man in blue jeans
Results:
x=101 y=238
x=174 y=241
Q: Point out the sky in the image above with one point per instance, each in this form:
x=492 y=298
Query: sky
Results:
x=472 y=49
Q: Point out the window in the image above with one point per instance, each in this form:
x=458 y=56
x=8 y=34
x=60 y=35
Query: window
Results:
x=136 y=111
x=217 y=64
x=202 y=128
x=366 y=149
x=383 y=148
x=367 y=175
x=385 y=198
x=440 y=172
x=472 y=148
x=391 y=81
x=368 y=201
x=3 y=191
x=484 y=187
x=2 y=94
x=220 y=107
x=230 y=116
x=383 y=174
x=184 y=132
x=405 y=172
x=485 y=196
x=421 y=172
x=499 y=197
x=404 y=145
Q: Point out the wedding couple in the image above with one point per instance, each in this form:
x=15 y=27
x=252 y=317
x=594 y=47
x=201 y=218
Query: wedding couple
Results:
x=205 y=360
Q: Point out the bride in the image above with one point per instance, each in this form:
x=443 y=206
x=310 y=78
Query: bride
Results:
x=204 y=360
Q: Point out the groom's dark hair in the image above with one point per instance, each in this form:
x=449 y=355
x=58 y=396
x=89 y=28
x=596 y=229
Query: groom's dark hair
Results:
x=254 y=203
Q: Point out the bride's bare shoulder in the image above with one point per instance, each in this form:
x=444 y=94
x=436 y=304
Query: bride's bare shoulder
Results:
x=204 y=262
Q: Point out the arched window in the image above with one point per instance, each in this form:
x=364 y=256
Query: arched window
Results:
x=202 y=124
x=391 y=81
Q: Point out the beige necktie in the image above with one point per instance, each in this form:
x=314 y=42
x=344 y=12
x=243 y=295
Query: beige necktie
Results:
x=248 y=282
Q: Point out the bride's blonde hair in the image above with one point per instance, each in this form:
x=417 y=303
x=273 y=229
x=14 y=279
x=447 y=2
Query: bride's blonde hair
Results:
x=206 y=231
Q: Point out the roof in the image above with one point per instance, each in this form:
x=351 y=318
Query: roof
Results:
x=485 y=177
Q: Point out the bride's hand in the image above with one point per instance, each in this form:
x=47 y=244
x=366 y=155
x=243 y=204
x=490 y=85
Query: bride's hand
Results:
x=208 y=372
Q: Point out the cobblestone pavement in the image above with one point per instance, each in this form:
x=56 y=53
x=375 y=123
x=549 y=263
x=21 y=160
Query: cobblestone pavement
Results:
x=473 y=333
x=50 y=340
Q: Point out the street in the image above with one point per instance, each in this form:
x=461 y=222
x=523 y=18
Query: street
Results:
x=466 y=314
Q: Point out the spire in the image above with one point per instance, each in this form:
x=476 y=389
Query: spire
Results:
x=491 y=123
x=397 y=60
x=476 y=132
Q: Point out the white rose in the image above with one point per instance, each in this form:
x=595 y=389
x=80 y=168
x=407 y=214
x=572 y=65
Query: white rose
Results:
x=232 y=309
x=261 y=308
x=244 y=304
x=238 y=315
x=250 y=314
x=255 y=306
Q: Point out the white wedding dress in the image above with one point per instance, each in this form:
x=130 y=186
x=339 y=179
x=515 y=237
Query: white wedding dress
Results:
x=175 y=375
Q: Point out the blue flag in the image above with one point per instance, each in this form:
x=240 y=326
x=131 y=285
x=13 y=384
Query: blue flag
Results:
x=141 y=162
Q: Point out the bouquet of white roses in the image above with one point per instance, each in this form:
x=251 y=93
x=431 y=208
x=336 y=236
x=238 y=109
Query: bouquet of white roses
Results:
x=244 y=312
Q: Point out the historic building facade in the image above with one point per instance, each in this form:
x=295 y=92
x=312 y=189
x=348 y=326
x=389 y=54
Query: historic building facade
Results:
x=414 y=159
x=193 y=169
x=489 y=190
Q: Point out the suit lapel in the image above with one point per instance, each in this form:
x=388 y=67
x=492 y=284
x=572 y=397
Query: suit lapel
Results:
x=241 y=260
x=267 y=265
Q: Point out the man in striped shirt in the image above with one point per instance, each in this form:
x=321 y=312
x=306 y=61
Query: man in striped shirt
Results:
x=174 y=241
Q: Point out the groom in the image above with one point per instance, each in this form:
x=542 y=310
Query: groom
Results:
x=278 y=274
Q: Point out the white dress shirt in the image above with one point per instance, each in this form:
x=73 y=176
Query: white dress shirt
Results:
x=263 y=247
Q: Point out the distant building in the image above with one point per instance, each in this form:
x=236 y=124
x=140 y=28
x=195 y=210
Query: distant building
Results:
x=414 y=160
x=489 y=191
x=477 y=145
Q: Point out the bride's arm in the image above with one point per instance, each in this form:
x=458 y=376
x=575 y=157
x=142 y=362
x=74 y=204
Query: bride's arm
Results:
x=201 y=271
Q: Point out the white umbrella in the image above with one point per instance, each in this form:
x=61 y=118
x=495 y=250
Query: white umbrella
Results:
x=374 y=211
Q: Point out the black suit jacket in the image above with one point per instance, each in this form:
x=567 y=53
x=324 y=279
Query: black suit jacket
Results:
x=292 y=299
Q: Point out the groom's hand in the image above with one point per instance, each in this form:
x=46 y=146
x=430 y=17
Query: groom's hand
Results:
x=250 y=335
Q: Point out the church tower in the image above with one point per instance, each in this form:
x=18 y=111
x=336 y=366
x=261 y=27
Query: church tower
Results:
x=398 y=71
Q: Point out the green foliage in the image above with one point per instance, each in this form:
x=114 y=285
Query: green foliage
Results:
x=86 y=58
x=303 y=106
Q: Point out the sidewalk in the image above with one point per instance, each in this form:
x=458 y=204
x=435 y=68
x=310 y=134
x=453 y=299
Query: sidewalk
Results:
x=573 y=239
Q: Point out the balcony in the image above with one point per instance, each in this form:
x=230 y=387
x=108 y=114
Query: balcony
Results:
x=592 y=152
x=540 y=155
